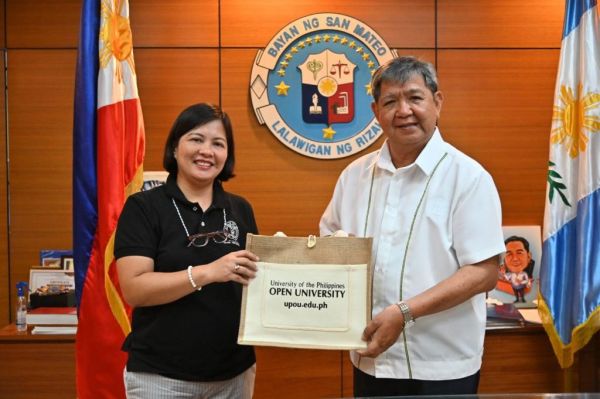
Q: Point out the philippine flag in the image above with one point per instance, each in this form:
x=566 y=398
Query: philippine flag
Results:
x=570 y=271
x=108 y=154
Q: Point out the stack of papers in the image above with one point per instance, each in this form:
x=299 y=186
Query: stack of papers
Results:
x=54 y=330
x=509 y=316
x=52 y=316
x=531 y=315
x=503 y=316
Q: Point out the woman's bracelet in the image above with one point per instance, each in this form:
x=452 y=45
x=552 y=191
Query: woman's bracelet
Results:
x=192 y=282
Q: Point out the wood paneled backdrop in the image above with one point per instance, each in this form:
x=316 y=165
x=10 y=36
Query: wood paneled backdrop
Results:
x=497 y=64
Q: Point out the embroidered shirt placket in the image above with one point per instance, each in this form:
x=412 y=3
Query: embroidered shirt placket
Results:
x=412 y=225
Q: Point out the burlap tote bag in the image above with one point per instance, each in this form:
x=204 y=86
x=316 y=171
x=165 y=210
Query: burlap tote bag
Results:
x=309 y=292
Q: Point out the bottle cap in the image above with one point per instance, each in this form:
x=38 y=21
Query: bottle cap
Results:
x=21 y=285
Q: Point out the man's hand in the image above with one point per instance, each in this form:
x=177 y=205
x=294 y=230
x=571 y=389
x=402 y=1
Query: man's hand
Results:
x=383 y=331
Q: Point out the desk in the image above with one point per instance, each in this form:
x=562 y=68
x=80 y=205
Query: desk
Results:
x=34 y=366
x=525 y=355
x=520 y=360
x=44 y=366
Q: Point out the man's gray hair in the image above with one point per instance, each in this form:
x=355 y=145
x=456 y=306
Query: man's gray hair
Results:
x=400 y=70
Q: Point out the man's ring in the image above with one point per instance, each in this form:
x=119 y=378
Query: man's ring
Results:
x=235 y=269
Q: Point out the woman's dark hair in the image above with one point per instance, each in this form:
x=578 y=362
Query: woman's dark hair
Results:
x=190 y=118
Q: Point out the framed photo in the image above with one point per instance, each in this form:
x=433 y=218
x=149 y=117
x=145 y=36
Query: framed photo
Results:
x=52 y=258
x=153 y=179
x=67 y=263
x=51 y=263
x=51 y=281
x=518 y=278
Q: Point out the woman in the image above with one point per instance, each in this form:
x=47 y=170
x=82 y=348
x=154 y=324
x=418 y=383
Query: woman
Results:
x=181 y=263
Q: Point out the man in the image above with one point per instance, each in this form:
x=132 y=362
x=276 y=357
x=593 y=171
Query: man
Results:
x=434 y=215
x=518 y=266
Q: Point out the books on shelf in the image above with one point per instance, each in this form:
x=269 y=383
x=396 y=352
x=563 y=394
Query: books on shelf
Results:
x=503 y=316
x=531 y=315
x=52 y=316
x=66 y=330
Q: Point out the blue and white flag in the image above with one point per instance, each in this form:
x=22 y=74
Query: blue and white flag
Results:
x=570 y=271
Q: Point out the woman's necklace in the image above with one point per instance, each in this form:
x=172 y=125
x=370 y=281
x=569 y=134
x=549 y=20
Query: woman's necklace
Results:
x=187 y=233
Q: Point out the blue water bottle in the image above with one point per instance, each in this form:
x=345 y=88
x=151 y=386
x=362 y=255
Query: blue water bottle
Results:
x=21 y=319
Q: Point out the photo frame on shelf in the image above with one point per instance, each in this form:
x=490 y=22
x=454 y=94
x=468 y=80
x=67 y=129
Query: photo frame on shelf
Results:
x=518 y=278
x=52 y=258
x=51 y=263
x=153 y=179
x=44 y=279
x=67 y=263
x=51 y=288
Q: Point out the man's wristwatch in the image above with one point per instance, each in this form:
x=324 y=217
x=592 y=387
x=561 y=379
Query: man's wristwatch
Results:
x=408 y=317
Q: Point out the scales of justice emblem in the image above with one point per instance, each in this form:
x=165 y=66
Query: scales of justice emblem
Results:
x=327 y=88
x=311 y=85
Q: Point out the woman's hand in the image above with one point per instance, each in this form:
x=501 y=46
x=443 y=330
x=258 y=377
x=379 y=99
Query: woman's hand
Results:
x=142 y=286
x=236 y=266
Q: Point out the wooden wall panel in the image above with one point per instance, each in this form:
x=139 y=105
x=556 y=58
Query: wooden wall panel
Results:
x=401 y=23
x=155 y=23
x=36 y=365
x=182 y=23
x=498 y=109
x=297 y=373
x=525 y=352
x=428 y=55
x=347 y=376
x=5 y=301
x=169 y=80
x=2 y=24
x=586 y=371
x=504 y=24
x=40 y=104
x=42 y=24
